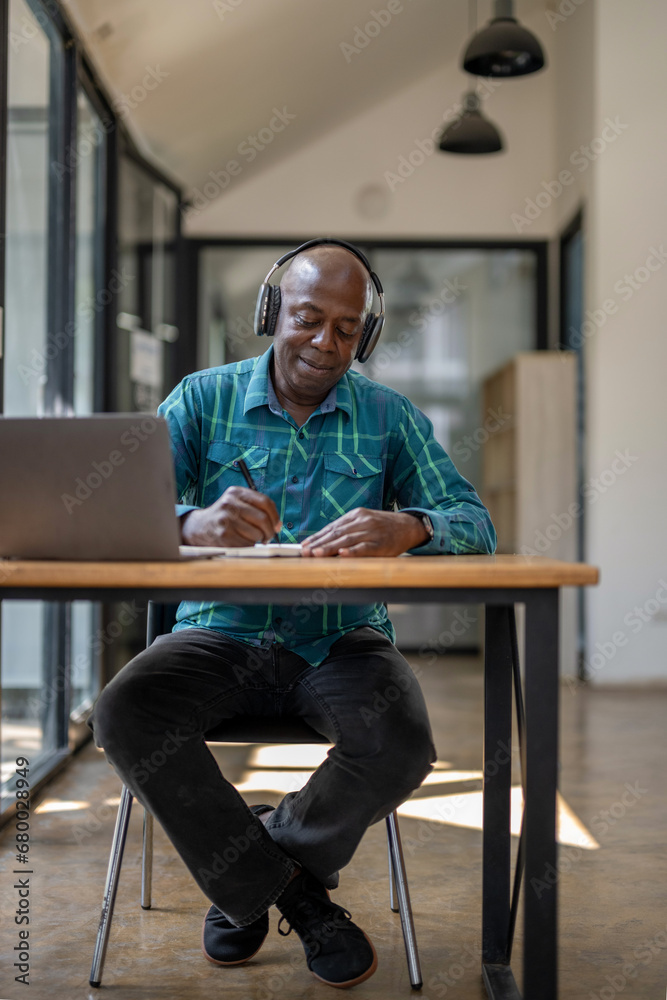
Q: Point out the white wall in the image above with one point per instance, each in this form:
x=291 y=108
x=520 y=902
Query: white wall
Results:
x=318 y=189
x=627 y=357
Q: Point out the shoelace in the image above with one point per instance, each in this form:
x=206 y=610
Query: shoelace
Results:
x=299 y=922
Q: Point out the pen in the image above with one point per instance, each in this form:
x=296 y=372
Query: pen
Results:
x=251 y=483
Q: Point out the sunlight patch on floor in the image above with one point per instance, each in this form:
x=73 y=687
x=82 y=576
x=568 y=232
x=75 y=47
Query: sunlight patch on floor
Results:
x=282 y=768
x=60 y=805
x=465 y=810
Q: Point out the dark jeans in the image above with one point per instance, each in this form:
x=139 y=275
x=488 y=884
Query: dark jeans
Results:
x=152 y=717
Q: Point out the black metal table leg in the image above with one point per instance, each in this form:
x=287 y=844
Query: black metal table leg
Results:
x=540 y=978
x=497 y=786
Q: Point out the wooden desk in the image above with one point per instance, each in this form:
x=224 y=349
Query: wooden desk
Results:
x=498 y=582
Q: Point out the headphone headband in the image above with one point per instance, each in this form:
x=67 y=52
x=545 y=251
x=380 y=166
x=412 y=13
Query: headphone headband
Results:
x=268 y=300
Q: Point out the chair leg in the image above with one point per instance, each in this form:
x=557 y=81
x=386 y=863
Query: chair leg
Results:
x=401 y=881
x=147 y=862
x=393 y=902
x=111 y=887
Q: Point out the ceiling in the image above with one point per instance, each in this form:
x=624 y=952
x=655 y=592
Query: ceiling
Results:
x=215 y=70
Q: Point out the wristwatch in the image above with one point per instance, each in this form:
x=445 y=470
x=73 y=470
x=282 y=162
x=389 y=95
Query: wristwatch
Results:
x=425 y=520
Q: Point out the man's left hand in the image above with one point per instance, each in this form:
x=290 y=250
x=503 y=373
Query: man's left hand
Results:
x=363 y=532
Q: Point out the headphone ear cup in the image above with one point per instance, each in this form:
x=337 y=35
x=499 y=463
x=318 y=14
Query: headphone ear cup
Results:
x=266 y=310
x=273 y=308
x=259 y=321
x=370 y=336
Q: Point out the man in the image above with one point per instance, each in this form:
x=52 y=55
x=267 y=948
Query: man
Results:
x=348 y=468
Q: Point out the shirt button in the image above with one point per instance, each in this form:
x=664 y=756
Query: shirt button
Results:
x=289 y=525
x=295 y=479
x=279 y=621
x=354 y=471
x=301 y=434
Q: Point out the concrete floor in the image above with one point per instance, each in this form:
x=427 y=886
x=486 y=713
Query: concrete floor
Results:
x=613 y=898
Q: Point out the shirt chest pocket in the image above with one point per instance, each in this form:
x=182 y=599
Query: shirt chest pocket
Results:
x=350 y=482
x=222 y=470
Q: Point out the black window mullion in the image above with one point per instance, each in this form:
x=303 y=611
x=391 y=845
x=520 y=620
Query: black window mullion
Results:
x=105 y=231
x=59 y=389
x=4 y=60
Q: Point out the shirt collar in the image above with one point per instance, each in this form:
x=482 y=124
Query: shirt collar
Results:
x=261 y=392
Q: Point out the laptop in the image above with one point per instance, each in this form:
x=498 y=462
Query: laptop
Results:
x=96 y=488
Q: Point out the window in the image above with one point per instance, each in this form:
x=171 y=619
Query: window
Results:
x=90 y=298
x=85 y=330
x=146 y=320
x=30 y=664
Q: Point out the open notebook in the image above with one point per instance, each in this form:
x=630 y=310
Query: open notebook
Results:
x=257 y=551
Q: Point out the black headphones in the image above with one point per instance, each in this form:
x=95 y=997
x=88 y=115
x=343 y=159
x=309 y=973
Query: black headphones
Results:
x=268 y=300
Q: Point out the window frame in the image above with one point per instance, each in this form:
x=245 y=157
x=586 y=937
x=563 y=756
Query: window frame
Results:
x=71 y=70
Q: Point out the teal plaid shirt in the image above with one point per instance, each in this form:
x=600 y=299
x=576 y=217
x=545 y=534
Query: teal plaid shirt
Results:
x=364 y=446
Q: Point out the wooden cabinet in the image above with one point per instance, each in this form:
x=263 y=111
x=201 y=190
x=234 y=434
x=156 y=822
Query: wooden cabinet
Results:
x=529 y=466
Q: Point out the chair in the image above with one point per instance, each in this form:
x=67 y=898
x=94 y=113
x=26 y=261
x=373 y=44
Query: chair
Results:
x=246 y=730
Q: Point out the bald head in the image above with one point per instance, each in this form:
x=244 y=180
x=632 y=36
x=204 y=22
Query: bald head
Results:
x=325 y=297
x=332 y=263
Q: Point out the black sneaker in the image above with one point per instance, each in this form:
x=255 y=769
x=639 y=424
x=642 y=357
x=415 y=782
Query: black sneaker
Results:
x=222 y=942
x=338 y=952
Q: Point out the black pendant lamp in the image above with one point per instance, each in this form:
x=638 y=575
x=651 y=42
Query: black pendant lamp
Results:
x=504 y=48
x=471 y=132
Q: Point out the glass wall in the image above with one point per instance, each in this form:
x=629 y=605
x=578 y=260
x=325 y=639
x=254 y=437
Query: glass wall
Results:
x=87 y=326
x=27 y=215
x=452 y=317
x=146 y=319
x=90 y=299
x=29 y=629
x=145 y=334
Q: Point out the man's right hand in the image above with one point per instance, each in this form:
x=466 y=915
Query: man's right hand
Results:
x=240 y=516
